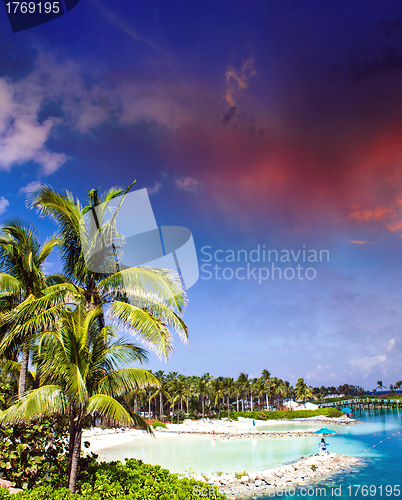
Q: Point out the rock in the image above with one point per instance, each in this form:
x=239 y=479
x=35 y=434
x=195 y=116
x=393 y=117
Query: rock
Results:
x=244 y=479
x=6 y=484
x=13 y=491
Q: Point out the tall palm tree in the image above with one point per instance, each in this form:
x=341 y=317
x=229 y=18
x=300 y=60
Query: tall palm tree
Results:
x=243 y=382
x=22 y=281
x=162 y=392
x=201 y=389
x=81 y=375
x=147 y=302
x=303 y=391
x=229 y=388
x=217 y=391
x=180 y=392
x=266 y=377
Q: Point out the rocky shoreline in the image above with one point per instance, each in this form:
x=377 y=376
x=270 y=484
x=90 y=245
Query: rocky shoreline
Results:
x=273 y=481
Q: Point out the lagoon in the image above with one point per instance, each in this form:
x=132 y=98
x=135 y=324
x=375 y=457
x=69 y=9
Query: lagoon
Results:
x=377 y=441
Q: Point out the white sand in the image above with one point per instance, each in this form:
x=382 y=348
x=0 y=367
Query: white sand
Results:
x=106 y=438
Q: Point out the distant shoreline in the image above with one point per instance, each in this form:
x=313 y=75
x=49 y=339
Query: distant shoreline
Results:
x=101 y=439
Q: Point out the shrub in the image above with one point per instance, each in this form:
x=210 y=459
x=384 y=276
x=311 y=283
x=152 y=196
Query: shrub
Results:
x=157 y=424
x=34 y=454
x=132 y=480
x=284 y=415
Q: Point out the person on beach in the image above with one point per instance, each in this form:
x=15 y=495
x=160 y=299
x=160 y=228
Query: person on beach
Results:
x=323 y=446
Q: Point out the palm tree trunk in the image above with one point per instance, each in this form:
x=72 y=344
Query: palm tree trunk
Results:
x=242 y=404
x=202 y=401
x=251 y=401
x=219 y=413
x=76 y=453
x=178 y=415
x=160 y=407
x=135 y=405
x=237 y=404
x=23 y=372
x=227 y=400
x=266 y=397
x=71 y=441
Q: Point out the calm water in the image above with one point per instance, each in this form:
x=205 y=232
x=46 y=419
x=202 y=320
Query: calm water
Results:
x=381 y=466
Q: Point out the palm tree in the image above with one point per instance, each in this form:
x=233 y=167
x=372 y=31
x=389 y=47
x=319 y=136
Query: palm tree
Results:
x=303 y=391
x=180 y=392
x=81 y=375
x=217 y=391
x=162 y=391
x=228 y=389
x=398 y=385
x=243 y=382
x=148 y=302
x=266 y=377
x=380 y=385
x=201 y=388
x=23 y=280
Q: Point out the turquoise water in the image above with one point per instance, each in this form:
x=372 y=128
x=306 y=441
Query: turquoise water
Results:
x=381 y=461
x=379 y=475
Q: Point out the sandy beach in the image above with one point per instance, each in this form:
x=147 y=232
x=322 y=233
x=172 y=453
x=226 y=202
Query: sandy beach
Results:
x=100 y=439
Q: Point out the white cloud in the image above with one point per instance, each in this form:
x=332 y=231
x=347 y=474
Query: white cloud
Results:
x=187 y=183
x=84 y=102
x=3 y=204
x=366 y=364
x=30 y=188
x=390 y=345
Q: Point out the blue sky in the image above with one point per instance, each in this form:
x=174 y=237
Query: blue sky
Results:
x=258 y=123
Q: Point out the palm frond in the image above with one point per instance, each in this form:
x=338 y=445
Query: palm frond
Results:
x=43 y=402
x=107 y=406
x=122 y=381
x=147 y=327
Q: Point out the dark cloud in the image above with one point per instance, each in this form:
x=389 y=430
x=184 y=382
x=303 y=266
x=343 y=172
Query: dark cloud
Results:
x=390 y=61
x=241 y=121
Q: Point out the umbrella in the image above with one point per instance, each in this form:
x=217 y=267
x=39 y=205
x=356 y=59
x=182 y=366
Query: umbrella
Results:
x=324 y=431
x=347 y=410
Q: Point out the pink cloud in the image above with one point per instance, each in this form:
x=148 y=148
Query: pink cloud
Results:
x=155 y=189
x=187 y=183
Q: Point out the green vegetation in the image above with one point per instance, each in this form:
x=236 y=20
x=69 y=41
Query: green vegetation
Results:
x=58 y=325
x=284 y=415
x=239 y=475
x=133 y=480
x=157 y=424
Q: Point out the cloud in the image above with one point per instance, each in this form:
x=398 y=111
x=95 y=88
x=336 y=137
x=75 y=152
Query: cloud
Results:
x=83 y=101
x=360 y=242
x=237 y=80
x=389 y=61
x=366 y=364
x=155 y=189
x=187 y=183
x=378 y=213
x=390 y=345
x=3 y=204
x=22 y=137
x=30 y=188
x=112 y=18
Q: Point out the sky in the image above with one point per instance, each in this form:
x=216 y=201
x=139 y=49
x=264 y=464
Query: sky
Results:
x=259 y=125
